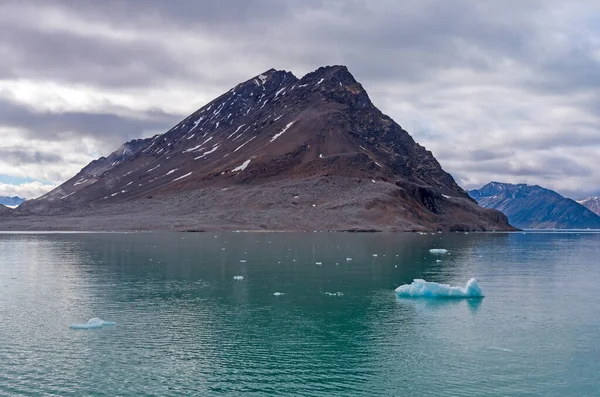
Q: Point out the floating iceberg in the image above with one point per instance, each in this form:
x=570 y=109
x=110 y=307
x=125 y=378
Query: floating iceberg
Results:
x=438 y=251
x=93 y=323
x=424 y=289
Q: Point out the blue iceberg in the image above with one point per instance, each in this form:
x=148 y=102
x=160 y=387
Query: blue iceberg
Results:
x=93 y=323
x=424 y=289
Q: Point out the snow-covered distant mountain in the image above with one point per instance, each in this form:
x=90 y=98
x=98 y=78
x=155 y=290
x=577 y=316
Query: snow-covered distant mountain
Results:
x=592 y=204
x=11 y=202
x=533 y=207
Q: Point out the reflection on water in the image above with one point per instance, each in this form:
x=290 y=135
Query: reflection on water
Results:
x=186 y=327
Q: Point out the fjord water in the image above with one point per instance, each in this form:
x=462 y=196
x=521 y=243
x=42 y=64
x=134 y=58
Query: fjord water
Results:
x=186 y=327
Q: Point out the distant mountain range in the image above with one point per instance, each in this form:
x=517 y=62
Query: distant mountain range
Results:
x=11 y=201
x=592 y=204
x=274 y=152
x=533 y=207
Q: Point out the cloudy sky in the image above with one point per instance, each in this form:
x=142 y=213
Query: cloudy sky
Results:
x=505 y=90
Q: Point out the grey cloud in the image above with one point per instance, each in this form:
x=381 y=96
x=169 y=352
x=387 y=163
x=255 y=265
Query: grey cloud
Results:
x=111 y=129
x=18 y=156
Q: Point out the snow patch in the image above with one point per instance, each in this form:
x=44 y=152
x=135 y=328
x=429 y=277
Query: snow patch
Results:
x=207 y=153
x=420 y=288
x=182 y=176
x=242 y=145
x=170 y=172
x=282 y=131
x=241 y=167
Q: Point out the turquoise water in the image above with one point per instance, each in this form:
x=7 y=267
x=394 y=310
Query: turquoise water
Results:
x=186 y=327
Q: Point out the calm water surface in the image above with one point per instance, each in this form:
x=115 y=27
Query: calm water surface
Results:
x=186 y=327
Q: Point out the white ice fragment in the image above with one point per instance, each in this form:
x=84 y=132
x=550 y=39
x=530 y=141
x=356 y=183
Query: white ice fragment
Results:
x=278 y=293
x=243 y=261
x=318 y=263
x=241 y=167
x=93 y=323
x=238 y=277
x=282 y=131
x=438 y=251
x=334 y=293
x=182 y=176
x=348 y=259
x=375 y=255
x=423 y=289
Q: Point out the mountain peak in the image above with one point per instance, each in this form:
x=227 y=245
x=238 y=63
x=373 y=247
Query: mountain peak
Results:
x=276 y=147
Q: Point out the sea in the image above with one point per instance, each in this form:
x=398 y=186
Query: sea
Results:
x=298 y=314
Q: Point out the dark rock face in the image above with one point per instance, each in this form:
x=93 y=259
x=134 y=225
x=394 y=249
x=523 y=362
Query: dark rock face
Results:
x=278 y=129
x=12 y=201
x=592 y=204
x=533 y=207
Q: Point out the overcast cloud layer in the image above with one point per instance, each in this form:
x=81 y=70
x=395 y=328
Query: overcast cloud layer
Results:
x=498 y=90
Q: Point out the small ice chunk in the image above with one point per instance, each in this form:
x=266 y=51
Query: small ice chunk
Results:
x=238 y=277
x=375 y=255
x=438 y=251
x=318 y=263
x=93 y=323
x=242 y=261
x=423 y=289
x=348 y=259
x=278 y=293
x=334 y=293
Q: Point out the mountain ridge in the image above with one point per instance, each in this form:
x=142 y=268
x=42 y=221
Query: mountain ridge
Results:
x=535 y=207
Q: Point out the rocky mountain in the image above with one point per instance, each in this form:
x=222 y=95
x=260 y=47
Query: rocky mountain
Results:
x=592 y=204
x=533 y=207
x=11 y=201
x=274 y=152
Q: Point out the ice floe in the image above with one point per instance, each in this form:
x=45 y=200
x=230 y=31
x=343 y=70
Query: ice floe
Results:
x=438 y=251
x=423 y=289
x=278 y=293
x=93 y=323
x=238 y=277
